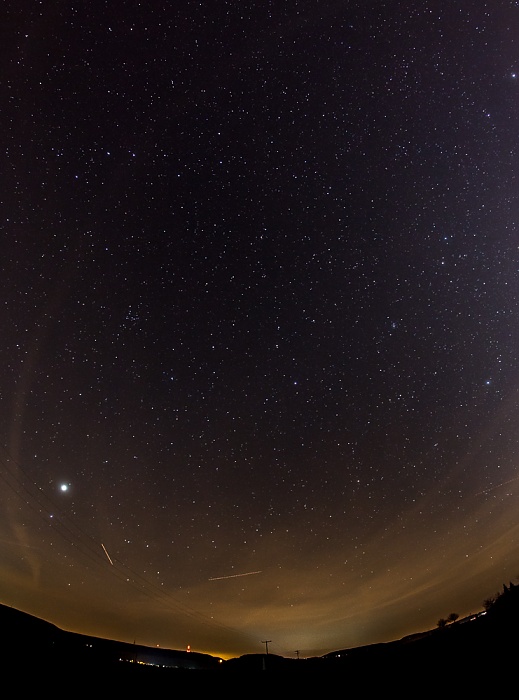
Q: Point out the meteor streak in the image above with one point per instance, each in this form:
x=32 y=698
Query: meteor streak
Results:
x=221 y=578
x=108 y=556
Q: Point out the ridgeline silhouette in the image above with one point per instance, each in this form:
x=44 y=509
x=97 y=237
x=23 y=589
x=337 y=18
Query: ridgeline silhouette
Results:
x=35 y=651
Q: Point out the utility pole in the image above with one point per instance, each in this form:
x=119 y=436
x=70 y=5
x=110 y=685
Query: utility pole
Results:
x=266 y=643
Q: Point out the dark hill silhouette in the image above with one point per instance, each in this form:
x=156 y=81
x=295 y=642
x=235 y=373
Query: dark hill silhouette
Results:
x=35 y=651
x=31 y=641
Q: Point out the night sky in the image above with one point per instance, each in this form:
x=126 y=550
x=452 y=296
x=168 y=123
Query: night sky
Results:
x=259 y=312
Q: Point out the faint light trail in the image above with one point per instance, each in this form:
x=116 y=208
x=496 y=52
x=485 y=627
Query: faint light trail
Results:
x=19 y=544
x=222 y=578
x=108 y=556
x=504 y=483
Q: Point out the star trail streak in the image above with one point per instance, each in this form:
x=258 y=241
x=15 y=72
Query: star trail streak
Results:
x=107 y=555
x=222 y=578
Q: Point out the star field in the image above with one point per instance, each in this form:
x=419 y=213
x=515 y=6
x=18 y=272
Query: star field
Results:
x=259 y=299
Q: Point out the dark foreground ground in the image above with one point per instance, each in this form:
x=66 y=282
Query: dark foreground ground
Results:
x=474 y=658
